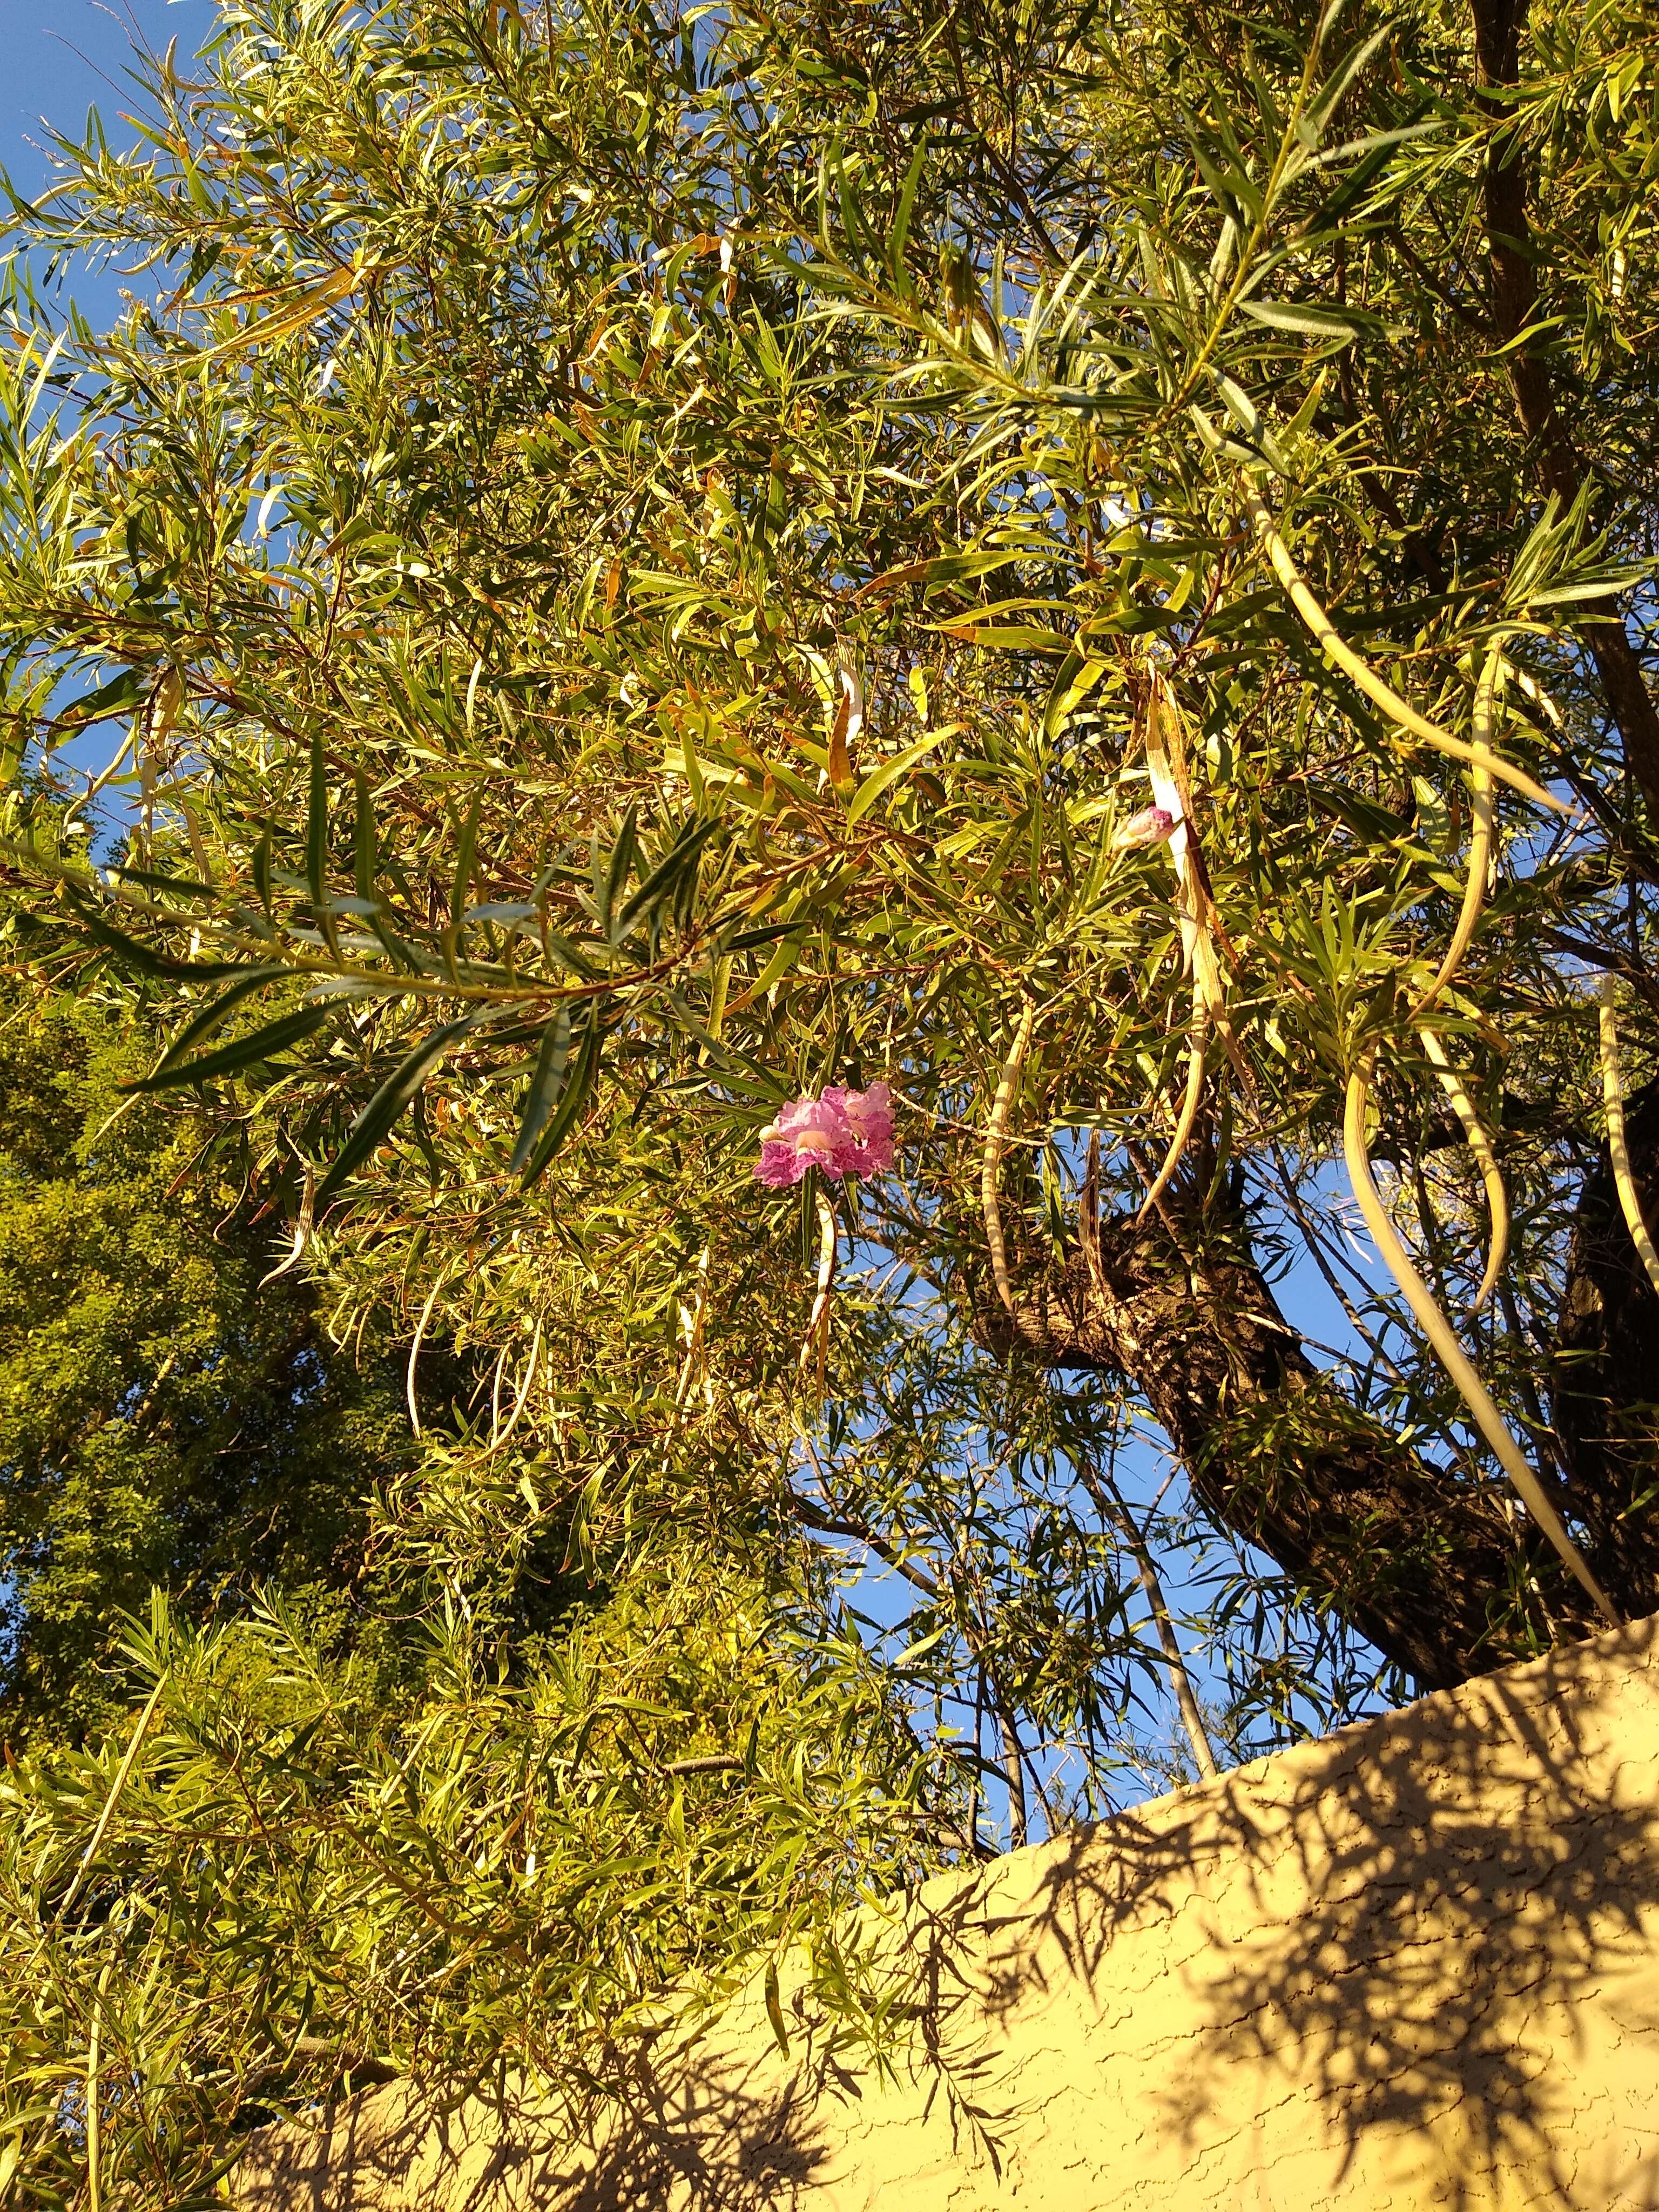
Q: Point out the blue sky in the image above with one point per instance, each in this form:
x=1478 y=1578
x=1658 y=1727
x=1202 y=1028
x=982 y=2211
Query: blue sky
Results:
x=63 y=57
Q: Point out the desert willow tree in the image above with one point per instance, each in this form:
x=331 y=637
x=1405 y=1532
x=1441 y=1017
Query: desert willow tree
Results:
x=1086 y=567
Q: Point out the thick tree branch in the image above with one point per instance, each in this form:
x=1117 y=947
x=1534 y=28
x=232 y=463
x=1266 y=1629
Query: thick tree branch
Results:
x=1604 y=1382
x=1497 y=27
x=1433 y=1568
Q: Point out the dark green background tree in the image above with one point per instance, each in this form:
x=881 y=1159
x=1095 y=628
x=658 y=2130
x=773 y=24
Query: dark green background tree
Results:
x=164 y=1422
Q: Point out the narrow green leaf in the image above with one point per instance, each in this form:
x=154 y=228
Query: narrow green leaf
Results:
x=769 y=933
x=1332 y=92
x=789 y=950
x=466 y=854
x=775 y=2009
x=181 y=886
x=364 y=854
x=622 y=858
x=149 y=963
x=737 y=1069
x=660 y=881
x=1310 y=322
x=899 y=230
x=546 y=1082
x=203 y=1024
x=398 y=1091
x=241 y=1052
x=879 y=778
x=573 y=1099
x=121 y=691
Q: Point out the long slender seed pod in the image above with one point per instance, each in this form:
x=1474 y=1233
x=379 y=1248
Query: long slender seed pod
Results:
x=815 y=1339
x=496 y=1394
x=695 y=1334
x=1613 y=1092
x=500 y=1435
x=996 y=1130
x=95 y=2093
x=415 y=1349
x=1088 y=1219
x=1474 y=889
x=1189 y=1106
x=1497 y=1202
x=1443 y=1337
x=1365 y=678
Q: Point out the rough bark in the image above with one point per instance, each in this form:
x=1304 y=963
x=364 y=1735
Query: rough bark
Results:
x=1436 y=1572
x=1606 y=1371
x=1497 y=27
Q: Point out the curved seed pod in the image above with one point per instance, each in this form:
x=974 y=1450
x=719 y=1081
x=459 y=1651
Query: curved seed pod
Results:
x=444 y=1275
x=1441 y=1335
x=1184 y=1128
x=816 y=1341
x=302 y=1229
x=996 y=1130
x=1497 y=1203
x=1474 y=889
x=1612 y=1093
x=499 y=1436
x=1365 y=678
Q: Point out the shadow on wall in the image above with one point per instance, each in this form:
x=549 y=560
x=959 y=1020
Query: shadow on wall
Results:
x=1414 y=1965
x=710 y=2146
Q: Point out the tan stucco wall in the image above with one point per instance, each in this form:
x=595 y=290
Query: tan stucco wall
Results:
x=1413 y=1965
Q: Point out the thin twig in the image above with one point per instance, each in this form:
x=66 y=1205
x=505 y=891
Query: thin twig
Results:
x=1110 y=1502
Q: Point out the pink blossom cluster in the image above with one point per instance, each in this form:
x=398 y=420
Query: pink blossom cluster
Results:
x=1151 y=826
x=844 y=1132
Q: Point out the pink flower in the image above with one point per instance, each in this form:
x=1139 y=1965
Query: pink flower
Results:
x=843 y=1132
x=1151 y=826
x=870 y=1117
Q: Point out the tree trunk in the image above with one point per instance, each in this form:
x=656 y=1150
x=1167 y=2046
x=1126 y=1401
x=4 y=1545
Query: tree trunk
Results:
x=1497 y=26
x=1441 y=1573
x=1606 y=1371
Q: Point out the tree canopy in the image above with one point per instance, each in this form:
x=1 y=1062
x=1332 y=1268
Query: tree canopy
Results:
x=1090 y=568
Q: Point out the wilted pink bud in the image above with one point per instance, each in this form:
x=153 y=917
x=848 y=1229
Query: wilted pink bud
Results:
x=843 y=1132
x=1151 y=826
